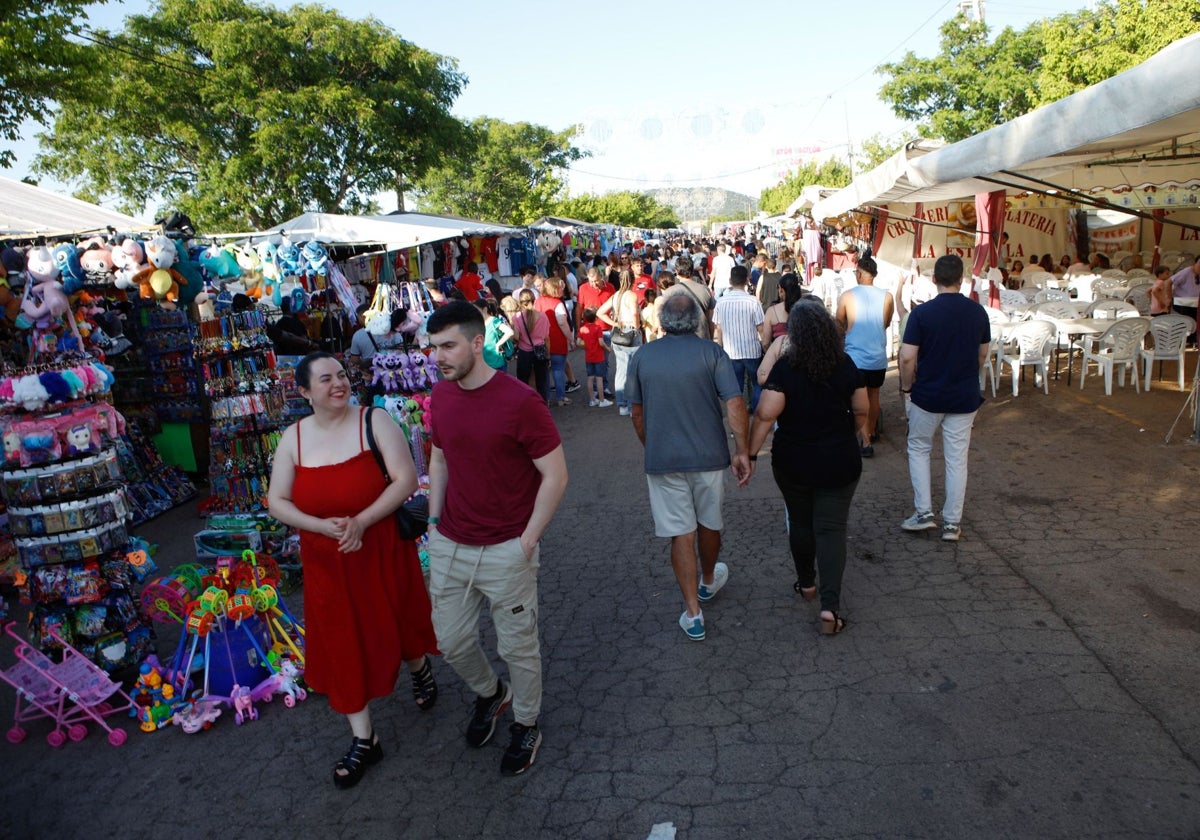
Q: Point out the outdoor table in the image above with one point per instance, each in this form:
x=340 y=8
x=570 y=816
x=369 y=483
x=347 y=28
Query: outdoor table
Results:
x=1075 y=328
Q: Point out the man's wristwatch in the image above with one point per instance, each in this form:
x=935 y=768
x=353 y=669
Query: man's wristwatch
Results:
x=752 y=457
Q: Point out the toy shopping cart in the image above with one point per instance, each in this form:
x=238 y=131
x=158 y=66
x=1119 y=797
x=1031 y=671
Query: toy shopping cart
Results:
x=69 y=692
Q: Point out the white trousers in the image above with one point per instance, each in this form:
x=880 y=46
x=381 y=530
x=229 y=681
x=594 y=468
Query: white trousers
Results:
x=956 y=441
x=460 y=578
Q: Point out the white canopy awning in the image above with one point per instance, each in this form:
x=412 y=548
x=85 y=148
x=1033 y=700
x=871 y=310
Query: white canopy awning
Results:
x=1084 y=141
x=28 y=211
x=394 y=231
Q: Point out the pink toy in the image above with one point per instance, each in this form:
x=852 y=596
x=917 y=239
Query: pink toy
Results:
x=287 y=683
x=68 y=692
x=196 y=715
x=129 y=258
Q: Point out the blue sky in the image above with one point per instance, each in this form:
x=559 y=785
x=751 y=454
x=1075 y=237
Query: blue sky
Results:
x=674 y=93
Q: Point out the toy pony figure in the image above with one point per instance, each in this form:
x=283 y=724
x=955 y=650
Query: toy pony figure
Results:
x=243 y=705
x=287 y=683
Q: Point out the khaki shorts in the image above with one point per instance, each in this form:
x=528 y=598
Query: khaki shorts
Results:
x=678 y=501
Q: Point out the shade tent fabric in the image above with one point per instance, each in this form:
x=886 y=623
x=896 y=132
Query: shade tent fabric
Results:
x=27 y=211
x=1082 y=142
x=560 y=224
x=394 y=231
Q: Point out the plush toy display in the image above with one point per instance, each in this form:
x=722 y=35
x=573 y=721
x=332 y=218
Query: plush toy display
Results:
x=252 y=274
x=128 y=258
x=291 y=261
x=160 y=281
x=66 y=257
x=316 y=260
x=95 y=256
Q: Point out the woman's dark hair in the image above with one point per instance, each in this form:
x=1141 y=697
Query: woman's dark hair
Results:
x=487 y=306
x=304 y=368
x=792 y=291
x=815 y=342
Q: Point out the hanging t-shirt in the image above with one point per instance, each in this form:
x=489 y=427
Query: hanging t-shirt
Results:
x=491 y=257
x=427 y=260
x=504 y=260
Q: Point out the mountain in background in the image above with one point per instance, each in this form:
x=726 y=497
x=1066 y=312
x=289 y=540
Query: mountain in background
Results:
x=699 y=203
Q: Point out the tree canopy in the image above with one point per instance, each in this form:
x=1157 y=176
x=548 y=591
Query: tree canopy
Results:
x=826 y=173
x=244 y=115
x=510 y=174
x=632 y=209
x=39 y=60
x=974 y=83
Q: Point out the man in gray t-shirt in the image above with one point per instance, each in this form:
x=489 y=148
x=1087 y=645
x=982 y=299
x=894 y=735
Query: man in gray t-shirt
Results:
x=675 y=386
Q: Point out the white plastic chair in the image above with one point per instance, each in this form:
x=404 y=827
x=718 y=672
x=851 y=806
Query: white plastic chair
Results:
x=1056 y=309
x=991 y=363
x=1111 y=310
x=1084 y=286
x=1051 y=294
x=1170 y=334
x=1134 y=273
x=1119 y=345
x=1115 y=273
x=1028 y=344
x=1012 y=300
x=1040 y=279
x=1139 y=296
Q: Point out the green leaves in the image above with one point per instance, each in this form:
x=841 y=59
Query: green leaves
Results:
x=827 y=173
x=510 y=175
x=243 y=115
x=39 y=59
x=631 y=209
x=974 y=84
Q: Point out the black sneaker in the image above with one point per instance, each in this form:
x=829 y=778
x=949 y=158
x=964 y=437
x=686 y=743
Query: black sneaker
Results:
x=573 y=387
x=487 y=710
x=522 y=751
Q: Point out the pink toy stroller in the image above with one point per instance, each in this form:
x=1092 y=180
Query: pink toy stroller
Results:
x=68 y=692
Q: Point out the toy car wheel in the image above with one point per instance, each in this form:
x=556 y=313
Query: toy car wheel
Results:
x=15 y=735
x=301 y=694
x=56 y=739
x=104 y=708
x=77 y=732
x=267 y=698
x=117 y=737
x=237 y=718
x=289 y=700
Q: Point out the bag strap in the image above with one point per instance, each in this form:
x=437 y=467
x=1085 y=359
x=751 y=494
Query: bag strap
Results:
x=374 y=448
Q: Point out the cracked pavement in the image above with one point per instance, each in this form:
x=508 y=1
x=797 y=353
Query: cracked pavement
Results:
x=1037 y=679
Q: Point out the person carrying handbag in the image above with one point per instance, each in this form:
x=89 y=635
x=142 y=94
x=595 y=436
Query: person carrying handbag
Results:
x=621 y=312
x=533 y=356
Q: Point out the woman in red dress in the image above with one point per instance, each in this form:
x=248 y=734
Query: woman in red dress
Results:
x=366 y=608
x=550 y=303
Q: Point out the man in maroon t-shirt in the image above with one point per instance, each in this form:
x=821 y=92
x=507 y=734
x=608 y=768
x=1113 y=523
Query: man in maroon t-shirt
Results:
x=470 y=283
x=496 y=476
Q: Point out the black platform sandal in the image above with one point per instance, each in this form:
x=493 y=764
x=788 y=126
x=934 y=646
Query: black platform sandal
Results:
x=808 y=593
x=363 y=752
x=832 y=626
x=424 y=687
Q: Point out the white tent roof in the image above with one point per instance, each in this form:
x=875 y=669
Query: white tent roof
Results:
x=1151 y=110
x=394 y=231
x=26 y=210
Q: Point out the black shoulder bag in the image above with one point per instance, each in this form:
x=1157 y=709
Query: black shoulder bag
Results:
x=412 y=517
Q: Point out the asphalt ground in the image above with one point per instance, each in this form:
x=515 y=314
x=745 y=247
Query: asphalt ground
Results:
x=1037 y=679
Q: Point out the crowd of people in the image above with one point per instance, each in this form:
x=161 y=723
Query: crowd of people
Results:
x=698 y=344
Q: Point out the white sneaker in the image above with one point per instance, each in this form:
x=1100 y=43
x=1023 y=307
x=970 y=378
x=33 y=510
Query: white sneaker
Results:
x=592 y=403
x=626 y=411
x=604 y=404
x=709 y=590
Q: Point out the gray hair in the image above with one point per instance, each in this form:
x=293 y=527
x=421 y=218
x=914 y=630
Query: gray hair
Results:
x=680 y=313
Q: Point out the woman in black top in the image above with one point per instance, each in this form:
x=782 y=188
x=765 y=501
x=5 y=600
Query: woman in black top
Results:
x=819 y=399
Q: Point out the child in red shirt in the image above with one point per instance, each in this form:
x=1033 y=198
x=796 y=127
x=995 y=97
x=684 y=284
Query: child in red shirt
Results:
x=591 y=339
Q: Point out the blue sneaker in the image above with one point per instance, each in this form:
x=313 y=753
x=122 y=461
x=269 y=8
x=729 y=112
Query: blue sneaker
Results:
x=693 y=627
x=708 y=591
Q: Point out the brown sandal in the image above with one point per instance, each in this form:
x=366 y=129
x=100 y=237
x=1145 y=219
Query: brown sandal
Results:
x=832 y=626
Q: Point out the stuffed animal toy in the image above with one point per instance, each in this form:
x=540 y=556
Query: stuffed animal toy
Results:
x=387 y=367
x=13 y=262
x=268 y=256
x=252 y=274
x=129 y=258
x=291 y=261
x=66 y=256
x=95 y=256
x=316 y=259
x=190 y=269
x=220 y=264
x=10 y=304
x=160 y=281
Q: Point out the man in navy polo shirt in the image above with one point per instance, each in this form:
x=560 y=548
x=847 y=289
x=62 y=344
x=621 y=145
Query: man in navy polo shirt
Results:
x=945 y=343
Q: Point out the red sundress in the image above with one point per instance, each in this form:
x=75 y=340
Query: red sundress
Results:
x=364 y=612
